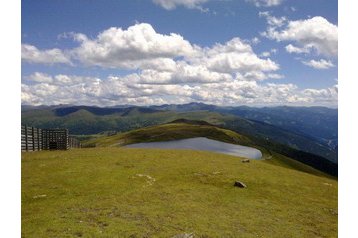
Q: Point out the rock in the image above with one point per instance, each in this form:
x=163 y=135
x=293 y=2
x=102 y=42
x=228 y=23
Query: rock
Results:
x=239 y=184
x=245 y=161
x=39 y=196
x=184 y=235
x=150 y=180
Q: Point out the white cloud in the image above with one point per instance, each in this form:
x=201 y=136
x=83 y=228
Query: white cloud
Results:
x=255 y=40
x=276 y=76
x=59 y=79
x=235 y=57
x=137 y=47
x=273 y=21
x=134 y=89
x=274 y=51
x=172 y=4
x=319 y=64
x=293 y=49
x=170 y=58
x=265 y=3
x=169 y=69
x=265 y=54
x=198 y=74
x=311 y=34
x=31 y=54
x=38 y=77
x=322 y=96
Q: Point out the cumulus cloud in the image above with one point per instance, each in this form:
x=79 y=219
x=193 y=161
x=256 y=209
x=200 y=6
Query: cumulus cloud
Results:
x=59 y=79
x=314 y=34
x=31 y=54
x=172 y=4
x=134 y=89
x=275 y=76
x=293 y=49
x=235 y=57
x=265 y=3
x=168 y=69
x=319 y=64
x=38 y=77
x=322 y=96
x=170 y=57
x=255 y=40
x=265 y=54
x=272 y=20
x=139 y=46
x=198 y=74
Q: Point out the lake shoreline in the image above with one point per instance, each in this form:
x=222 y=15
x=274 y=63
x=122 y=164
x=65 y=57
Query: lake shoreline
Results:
x=203 y=144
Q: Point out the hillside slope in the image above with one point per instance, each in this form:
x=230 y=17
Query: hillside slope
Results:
x=170 y=131
x=118 y=192
x=318 y=122
x=84 y=120
x=182 y=129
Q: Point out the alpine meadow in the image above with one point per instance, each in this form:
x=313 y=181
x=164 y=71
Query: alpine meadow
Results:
x=179 y=118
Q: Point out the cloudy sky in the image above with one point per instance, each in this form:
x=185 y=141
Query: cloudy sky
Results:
x=144 y=52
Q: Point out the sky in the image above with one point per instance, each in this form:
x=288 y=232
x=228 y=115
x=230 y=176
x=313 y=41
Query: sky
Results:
x=146 y=52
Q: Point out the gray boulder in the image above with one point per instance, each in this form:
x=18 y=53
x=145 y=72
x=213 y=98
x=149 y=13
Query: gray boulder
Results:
x=240 y=184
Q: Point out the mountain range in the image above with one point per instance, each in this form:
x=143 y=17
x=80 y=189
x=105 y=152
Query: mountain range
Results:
x=311 y=130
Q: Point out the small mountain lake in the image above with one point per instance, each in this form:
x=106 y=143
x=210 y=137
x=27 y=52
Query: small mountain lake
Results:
x=202 y=143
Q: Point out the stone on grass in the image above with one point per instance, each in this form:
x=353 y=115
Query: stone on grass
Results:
x=239 y=184
x=245 y=161
x=184 y=235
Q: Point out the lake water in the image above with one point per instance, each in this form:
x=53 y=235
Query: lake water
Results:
x=202 y=143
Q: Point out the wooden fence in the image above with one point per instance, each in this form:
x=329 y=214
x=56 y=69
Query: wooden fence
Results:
x=73 y=142
x=55 y=139
x=35 y=139
x=31 y=138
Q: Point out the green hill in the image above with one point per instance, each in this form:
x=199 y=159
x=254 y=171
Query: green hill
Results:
x=182 y=129
x=122 y=192
x=170 y=131
x=85 y=120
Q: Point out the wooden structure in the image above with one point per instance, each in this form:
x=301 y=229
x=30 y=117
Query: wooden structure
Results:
x=55 y=139
x=31 y=138
x=35 y=139
x=73 y=142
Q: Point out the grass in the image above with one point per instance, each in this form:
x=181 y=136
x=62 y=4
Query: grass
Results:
x=167 y=132
x=122 y=192
x=176 y=131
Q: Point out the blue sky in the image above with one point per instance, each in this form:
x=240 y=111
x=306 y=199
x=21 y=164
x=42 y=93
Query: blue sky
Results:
x=211 y=69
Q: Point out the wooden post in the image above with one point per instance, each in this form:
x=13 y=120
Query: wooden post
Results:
x=38 y=139
x=33 y=138
x=66 y=138
x=26 y=142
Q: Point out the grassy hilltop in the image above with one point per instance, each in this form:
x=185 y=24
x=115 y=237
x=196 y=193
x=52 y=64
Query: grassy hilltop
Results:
x=179 y=129
x=118 y=192
x=183 y=128
x=111 y=191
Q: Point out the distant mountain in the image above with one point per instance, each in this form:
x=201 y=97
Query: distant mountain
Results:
x=194 y=106
x=99 y=111
x=320 y=123
x=305 y=129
